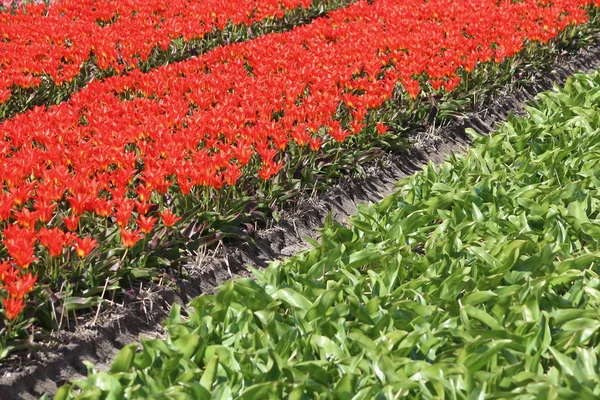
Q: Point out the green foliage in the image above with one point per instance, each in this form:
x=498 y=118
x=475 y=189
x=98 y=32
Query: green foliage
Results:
x=478 y=278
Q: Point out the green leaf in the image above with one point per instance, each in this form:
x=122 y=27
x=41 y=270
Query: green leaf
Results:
x=188 y=344
x=591 y=229
x=78 y=303
x=109 y=384
x=63 y=392
x=267 y=390
x=327 y=345
x=361 y=258
x=579 y=215
x=346 y=386
x=124 y=359
x=565 y=363
x=483 y=317
x=579 y=262
x=293 y=298
x=210 y=373
x=478 y=297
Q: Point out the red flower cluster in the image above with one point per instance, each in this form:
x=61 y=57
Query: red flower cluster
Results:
x=17 y=285
x=204 y=121
x=58 y=38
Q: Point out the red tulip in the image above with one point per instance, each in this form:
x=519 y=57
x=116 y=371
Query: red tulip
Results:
x=168 y=218
x=83 y=246
x=129 y=238
x=146 y=224
x=13 y=307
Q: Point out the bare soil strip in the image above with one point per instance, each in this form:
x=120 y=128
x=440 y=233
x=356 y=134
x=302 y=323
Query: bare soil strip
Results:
x=99 y=340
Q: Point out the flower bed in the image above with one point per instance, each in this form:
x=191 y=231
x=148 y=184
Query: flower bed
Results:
x=10 y=5
x=86 y=181
x=73 y=42
x=60 y=38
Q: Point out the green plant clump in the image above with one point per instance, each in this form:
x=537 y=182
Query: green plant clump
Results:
x=476 y=279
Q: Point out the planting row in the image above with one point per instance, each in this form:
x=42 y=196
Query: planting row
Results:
x=86 y=180
x=63 y=59
x=56 y=40
x=479 y=279
x=8 y=5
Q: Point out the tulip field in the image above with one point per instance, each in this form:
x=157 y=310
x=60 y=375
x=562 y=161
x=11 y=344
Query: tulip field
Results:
x=136 y=133
x=74 y=42
x=479 y=278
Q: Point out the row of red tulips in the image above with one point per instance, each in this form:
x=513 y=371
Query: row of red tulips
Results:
x=120 y=146
x=8 y=5
x=58 y=39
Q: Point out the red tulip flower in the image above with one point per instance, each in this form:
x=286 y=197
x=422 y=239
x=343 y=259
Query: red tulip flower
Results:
x=20 y=286
x=13 y=307
x=72 y=222
x=84 y=246
x=381 y=128
x=130 y=238
x=168 y=218
x=146 y=224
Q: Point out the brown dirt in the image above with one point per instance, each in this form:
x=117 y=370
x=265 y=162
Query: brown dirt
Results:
x=141 y=316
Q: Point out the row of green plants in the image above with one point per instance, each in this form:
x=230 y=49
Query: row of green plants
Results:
x=48 y=92
x=477 y=278
x=108 y=272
